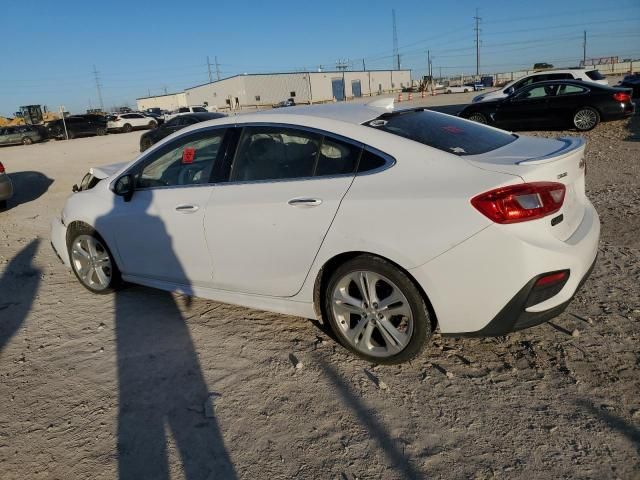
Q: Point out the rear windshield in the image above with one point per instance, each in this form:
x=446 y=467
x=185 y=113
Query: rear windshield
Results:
x=595 y=75
x=444 y=132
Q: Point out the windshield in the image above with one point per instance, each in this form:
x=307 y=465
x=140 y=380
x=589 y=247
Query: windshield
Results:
x=444 y=132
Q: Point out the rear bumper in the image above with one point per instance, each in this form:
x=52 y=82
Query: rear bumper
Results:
x=481 y=286
x=514 y=316
x=59 y=240
x=6 y=188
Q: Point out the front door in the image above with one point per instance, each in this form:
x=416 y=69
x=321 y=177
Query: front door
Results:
x=527 y=108
x=265 y=226
x=159 y=233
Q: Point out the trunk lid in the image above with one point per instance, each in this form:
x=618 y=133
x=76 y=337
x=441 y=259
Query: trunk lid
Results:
x=542 y=159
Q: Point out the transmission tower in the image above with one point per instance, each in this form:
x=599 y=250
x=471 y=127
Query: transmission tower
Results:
x=477 y=30
x=396 y=54
x=98 y=87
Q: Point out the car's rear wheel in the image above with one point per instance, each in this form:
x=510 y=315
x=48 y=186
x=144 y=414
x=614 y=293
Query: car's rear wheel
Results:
x=376 y=311
x=101 y=131
x=126 y=128
x=3 y=205
x=71 y=135
x=152 y=124
x=145 y=144
x=478 y=117
x=92 y=262
x=586 y=119
x=27 y=141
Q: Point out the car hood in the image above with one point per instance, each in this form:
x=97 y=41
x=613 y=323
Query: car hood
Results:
x=106 y=171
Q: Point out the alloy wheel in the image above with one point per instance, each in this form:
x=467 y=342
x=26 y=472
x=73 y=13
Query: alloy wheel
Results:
x=585 y=119
x=91 y=261
x=372 y=313
x=478 y=117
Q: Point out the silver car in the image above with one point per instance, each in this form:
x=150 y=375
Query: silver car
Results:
x=6 y=188
x=20 y=134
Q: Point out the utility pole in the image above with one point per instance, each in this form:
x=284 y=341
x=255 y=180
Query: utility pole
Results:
x=217 y=68
x=209 y=69
x=396 y=54
x=584 y=49
x=364 y=67
x=477 y=29
x=98 y=87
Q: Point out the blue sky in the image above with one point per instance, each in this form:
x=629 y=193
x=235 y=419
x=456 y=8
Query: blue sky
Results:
x=144 y=47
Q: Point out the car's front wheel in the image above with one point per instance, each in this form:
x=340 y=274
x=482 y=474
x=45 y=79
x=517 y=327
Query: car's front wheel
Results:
x=126 y=128
x=376 y=311
x=586 y=119
x=478 y=117
x=92 y=262
x=27 y=141
x=101 y=131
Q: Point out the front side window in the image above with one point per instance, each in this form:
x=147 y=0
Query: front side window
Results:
x=185 y=161
x=538 y=92
x=444 y=132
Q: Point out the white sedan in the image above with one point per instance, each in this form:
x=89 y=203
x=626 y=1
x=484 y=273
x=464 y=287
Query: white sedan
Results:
x=126 y=122
x=461 y=89
x=384 y=223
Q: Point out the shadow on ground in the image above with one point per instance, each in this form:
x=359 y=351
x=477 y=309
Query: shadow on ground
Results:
x=27 y=187
x=19 y=285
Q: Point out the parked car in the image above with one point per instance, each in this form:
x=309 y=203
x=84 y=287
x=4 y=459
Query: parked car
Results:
x=632 y=82
x=159 y=118
x=6 y=187
x=475 y=85
x=586 y=75
x=20 y=134
x=458 y=89
x=556 y=103
x=377 y=220
x=126 y=122
x=289 y=102
x=77 y=126
x=152 y=137
x=183 y=110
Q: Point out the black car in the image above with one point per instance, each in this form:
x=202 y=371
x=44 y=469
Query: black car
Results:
x=176 y=123
x=633 y=82
x=158 y=117
x=78 y=126
x=552 y=104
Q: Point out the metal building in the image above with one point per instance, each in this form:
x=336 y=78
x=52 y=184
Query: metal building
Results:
x=266 y=89
x=169 y=101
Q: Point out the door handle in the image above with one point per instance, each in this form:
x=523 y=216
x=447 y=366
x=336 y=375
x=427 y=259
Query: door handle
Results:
x=187 y=208
x=304 y=202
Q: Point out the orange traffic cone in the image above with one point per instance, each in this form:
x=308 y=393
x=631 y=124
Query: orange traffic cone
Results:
x=410 y=96
x=422 y=94
x=399 y=97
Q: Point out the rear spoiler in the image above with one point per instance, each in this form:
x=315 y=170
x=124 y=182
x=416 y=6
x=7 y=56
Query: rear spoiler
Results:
x=570 y=145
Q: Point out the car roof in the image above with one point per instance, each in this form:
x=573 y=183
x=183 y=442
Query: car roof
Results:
x=202 y=116
x=357 y=113
x=568 y=82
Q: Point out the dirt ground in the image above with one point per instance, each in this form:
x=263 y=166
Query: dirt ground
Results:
x=143 y=384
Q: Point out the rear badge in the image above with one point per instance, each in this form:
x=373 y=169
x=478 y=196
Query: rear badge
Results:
x=557 y=220
x=562 y=175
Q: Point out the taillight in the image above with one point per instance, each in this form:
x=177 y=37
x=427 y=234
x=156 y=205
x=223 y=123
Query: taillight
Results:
x=519 y=203
x=1 y=168
x=621 y=97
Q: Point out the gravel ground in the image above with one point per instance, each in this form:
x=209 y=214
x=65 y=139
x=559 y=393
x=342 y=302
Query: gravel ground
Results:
x=144 y=384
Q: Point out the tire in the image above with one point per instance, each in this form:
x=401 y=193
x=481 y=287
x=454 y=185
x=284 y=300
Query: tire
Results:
x=101 y=131
x=126 y=128
x=3 y=205
x=585 y=119
x=478 y=118
x=27 y=141
x=145 y=144
x=71 y=135
x=152 y=124
x=98 y=259
x=363 y=328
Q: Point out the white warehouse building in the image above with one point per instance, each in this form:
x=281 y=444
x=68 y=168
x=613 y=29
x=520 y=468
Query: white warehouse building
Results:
x=266 y=89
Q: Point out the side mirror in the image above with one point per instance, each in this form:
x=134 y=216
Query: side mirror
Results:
x=124 y=187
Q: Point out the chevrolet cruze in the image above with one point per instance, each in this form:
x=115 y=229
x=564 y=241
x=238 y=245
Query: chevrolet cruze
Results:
x=384 y=223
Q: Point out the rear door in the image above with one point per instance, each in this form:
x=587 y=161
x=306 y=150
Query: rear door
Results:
x=265 y=226
x=567 y=100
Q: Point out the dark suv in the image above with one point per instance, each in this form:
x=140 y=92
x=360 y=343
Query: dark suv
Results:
x=78 y=126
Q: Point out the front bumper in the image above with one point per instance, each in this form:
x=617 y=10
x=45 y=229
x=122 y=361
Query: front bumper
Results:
x=6 y=188
x=487 y=277
x=59 y=240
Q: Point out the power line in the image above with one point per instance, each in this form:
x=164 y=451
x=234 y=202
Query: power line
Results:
x=209 y=69
x=396 y=54
x=217 y=67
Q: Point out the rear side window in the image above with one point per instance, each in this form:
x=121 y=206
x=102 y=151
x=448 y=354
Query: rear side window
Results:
x=336 y=158
x=444 y=132
x=370 y=161
x=595 y=75
x=570 y=90
x=199 y=109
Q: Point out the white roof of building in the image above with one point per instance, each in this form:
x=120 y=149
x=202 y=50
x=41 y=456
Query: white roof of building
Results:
x=357 y=113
